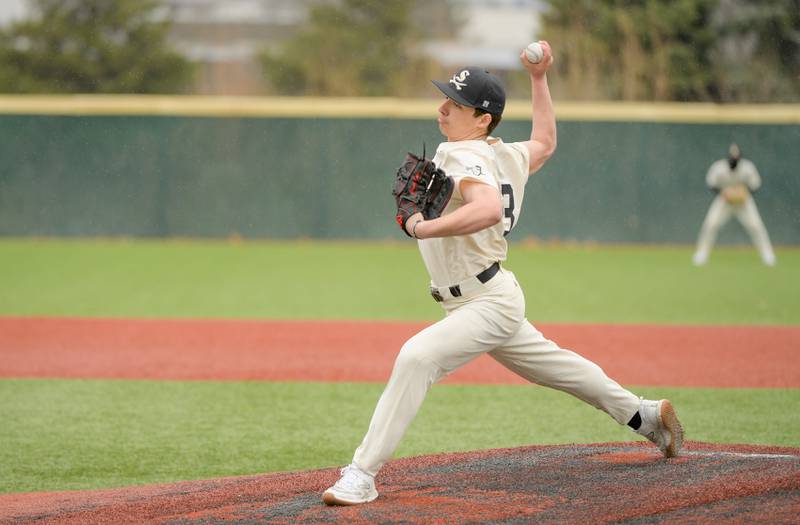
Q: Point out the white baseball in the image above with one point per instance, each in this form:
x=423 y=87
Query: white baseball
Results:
x=534 y=53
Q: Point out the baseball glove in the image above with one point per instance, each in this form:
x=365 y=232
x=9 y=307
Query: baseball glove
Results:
x=420 y=186
x=736 y=194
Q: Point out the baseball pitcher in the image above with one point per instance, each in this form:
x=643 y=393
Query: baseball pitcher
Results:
x=734 y=180
x=459 y=206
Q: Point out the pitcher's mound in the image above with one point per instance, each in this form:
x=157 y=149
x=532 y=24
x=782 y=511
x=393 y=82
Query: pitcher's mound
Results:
x=585 y=484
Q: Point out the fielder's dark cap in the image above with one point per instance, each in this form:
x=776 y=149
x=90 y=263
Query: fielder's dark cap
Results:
x=475 y=87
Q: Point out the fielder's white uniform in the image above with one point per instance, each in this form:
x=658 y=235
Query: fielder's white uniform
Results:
x=721 y=176
x=480 y=317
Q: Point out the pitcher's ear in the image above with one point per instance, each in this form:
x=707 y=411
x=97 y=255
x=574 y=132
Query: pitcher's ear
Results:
x=485 y=120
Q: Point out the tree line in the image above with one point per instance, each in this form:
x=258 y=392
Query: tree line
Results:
x=729 y=51
x=677 y=50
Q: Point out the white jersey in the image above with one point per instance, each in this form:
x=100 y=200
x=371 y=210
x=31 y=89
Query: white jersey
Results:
x=720 y=175
x=451 y=260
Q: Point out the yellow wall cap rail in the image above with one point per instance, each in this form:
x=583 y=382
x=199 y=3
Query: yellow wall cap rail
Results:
x=318 y=107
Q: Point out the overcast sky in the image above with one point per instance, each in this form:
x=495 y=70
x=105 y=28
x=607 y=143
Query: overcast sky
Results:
x=11 y=9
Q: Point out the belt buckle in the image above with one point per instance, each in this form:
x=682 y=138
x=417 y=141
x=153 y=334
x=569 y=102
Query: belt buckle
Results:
x=436 y=295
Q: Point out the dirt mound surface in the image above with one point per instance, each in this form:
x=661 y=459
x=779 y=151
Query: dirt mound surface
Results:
x=601 y=483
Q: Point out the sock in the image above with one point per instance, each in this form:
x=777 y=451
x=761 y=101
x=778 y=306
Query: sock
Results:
x=636 y=421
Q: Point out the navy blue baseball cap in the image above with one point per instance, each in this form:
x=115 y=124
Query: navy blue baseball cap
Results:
x=475 y=87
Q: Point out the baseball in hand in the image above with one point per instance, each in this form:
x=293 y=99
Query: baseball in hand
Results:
x=534 y=53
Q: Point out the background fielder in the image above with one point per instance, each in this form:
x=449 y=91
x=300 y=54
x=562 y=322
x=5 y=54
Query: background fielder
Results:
x=734 y=179
x=483 y=303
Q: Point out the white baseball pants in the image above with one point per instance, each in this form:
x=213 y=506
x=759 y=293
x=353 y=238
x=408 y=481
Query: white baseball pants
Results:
x=718 y=214
x=489 y=319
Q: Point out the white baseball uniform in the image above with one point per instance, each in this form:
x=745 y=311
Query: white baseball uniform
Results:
x=483 y=315
x=721 y=176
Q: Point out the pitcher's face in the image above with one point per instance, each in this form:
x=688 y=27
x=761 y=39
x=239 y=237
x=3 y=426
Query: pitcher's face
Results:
x=458 y=122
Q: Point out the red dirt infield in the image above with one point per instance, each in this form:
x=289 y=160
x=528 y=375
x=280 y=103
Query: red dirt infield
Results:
x=651 y=355
x=602 y=483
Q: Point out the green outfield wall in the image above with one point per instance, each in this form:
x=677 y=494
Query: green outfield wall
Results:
x=311 y=168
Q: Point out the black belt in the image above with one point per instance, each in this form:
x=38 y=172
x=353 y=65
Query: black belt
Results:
x=483 y=277
x=488 y=273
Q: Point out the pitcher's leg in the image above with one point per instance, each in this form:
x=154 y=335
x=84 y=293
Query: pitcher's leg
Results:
x=537 y=359
x=411 y=378
x=542 y=361
x=433 y=353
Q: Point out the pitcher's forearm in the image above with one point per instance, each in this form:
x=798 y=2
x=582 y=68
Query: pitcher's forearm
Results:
x=543 y=123
x=470 y=218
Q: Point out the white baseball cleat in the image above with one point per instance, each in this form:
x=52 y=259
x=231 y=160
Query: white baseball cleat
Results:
x=354 y=487
x=661 y=426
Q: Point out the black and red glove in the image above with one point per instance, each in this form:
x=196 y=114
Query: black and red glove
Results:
x=420 y=187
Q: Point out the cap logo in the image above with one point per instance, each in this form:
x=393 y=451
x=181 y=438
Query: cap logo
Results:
x=459 y=80
x=486 y=103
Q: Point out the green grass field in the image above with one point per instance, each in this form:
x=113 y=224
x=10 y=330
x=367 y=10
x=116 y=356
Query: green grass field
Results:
x=75 y=434
x=288 y=280
x=82 y=434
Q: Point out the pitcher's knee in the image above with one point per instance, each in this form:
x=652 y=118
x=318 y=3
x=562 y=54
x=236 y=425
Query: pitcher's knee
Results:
x=595 y=375
x=414 y=356
x=411 y=355
x=585 y=379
